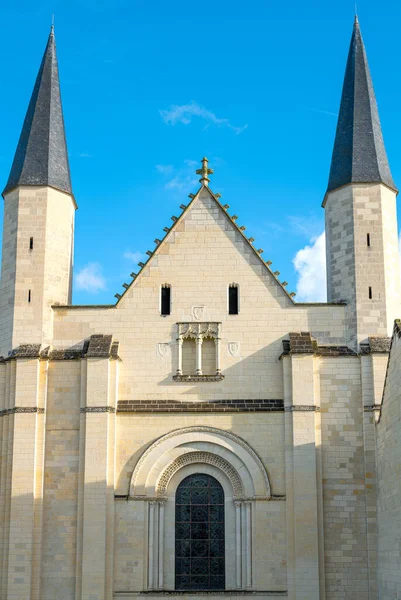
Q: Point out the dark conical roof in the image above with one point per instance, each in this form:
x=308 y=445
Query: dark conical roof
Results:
x=41 y=156
x=359 y=155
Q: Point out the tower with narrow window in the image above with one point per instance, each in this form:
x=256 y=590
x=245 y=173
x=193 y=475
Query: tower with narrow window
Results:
x=39 y=212
x=360 y=209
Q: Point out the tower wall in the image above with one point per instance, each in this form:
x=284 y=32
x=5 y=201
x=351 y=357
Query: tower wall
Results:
x=362 y=258
x=34 y=278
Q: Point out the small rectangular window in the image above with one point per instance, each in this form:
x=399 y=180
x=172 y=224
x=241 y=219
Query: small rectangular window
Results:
x=233 y=300
x=29 y=295
x=368 y=239
x=370 y=293
x=31 y=243
x=165 y=300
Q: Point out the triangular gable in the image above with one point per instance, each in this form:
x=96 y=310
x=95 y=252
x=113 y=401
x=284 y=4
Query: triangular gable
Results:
x=179 y=219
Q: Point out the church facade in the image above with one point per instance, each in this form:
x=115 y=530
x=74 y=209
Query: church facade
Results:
x=206 y=435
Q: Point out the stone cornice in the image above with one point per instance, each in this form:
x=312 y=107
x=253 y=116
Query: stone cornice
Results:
x=97 y=346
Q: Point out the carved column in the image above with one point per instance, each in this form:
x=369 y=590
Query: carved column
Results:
x=238 y=549
x=180 y=342
x=248 y=544
x=199 y=341
x=151 y=543
x=161 y=543
x=156 y=544
x=217 y=344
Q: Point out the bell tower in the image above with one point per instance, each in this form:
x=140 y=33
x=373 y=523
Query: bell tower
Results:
x=39 y=209
x=363 y=266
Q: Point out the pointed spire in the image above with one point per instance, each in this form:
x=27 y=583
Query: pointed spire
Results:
x=359 y=155
x=41 y=156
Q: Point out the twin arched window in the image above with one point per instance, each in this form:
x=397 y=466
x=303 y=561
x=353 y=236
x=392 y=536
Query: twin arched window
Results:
x=199 y=534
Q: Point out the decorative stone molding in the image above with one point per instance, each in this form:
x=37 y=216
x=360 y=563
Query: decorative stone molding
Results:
x=202 y=593
x=236 y=405
x=196 y=330
x=98 y=409
x=198 y=378
x=372 y=408
x=258 y=465
x=21 y=409
x=301 y=408
x=200 y=457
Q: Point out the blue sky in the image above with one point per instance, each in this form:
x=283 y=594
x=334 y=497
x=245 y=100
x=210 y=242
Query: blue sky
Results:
x=150 y=87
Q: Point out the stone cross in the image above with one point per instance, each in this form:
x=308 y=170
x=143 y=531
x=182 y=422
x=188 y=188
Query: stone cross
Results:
x=204 y=172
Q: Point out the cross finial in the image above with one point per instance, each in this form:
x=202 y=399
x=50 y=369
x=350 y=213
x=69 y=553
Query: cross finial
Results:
x=204 y=172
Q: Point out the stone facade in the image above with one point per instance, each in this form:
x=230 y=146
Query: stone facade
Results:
x=389 y=478
x=106 y=410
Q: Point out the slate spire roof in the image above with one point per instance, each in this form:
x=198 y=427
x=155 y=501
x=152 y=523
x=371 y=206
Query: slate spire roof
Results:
x=359 y=155
x=41 y=157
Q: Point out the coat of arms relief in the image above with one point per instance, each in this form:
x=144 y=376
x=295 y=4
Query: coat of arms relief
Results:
x=233 y=348
x=198 y=312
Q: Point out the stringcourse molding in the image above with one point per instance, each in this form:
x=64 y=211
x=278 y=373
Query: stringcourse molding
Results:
x=201 y=457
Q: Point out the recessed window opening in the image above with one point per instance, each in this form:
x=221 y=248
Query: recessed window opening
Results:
x=199 y=534
x=233 y=299
x=370 y=293
x=165 y=300
x=368 y=239
x=29 y=295
x=31 y=243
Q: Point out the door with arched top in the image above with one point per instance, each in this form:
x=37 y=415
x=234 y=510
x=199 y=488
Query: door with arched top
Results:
x=199 y=534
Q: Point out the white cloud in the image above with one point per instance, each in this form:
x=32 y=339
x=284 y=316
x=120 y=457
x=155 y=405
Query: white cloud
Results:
x=310 y=265
x=183 y=179
x=182 y=183
x=184 y=114
x=90 y=279
x=134 y=256
x=164 y=169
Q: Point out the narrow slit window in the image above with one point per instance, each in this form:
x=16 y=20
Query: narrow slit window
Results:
x=370 y=293
x=233 y=299
x=165 y=300
x=29 y=295
x=31 y=243
x=368 y=239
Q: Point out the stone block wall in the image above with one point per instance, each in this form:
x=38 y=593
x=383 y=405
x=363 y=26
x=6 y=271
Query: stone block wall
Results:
x=388 y=436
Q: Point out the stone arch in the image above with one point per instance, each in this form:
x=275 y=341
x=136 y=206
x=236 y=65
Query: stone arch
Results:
x=190 y=458
x=226 y=451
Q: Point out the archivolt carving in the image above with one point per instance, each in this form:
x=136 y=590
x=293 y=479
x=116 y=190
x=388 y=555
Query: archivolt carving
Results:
x=200 y=457
x=211 y=430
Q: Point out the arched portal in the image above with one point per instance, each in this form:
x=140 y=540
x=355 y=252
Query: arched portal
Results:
x=171 y=460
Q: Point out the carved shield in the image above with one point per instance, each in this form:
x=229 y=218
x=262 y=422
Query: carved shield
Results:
x=162 y=349
x=198 y=312
x=233 y=348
